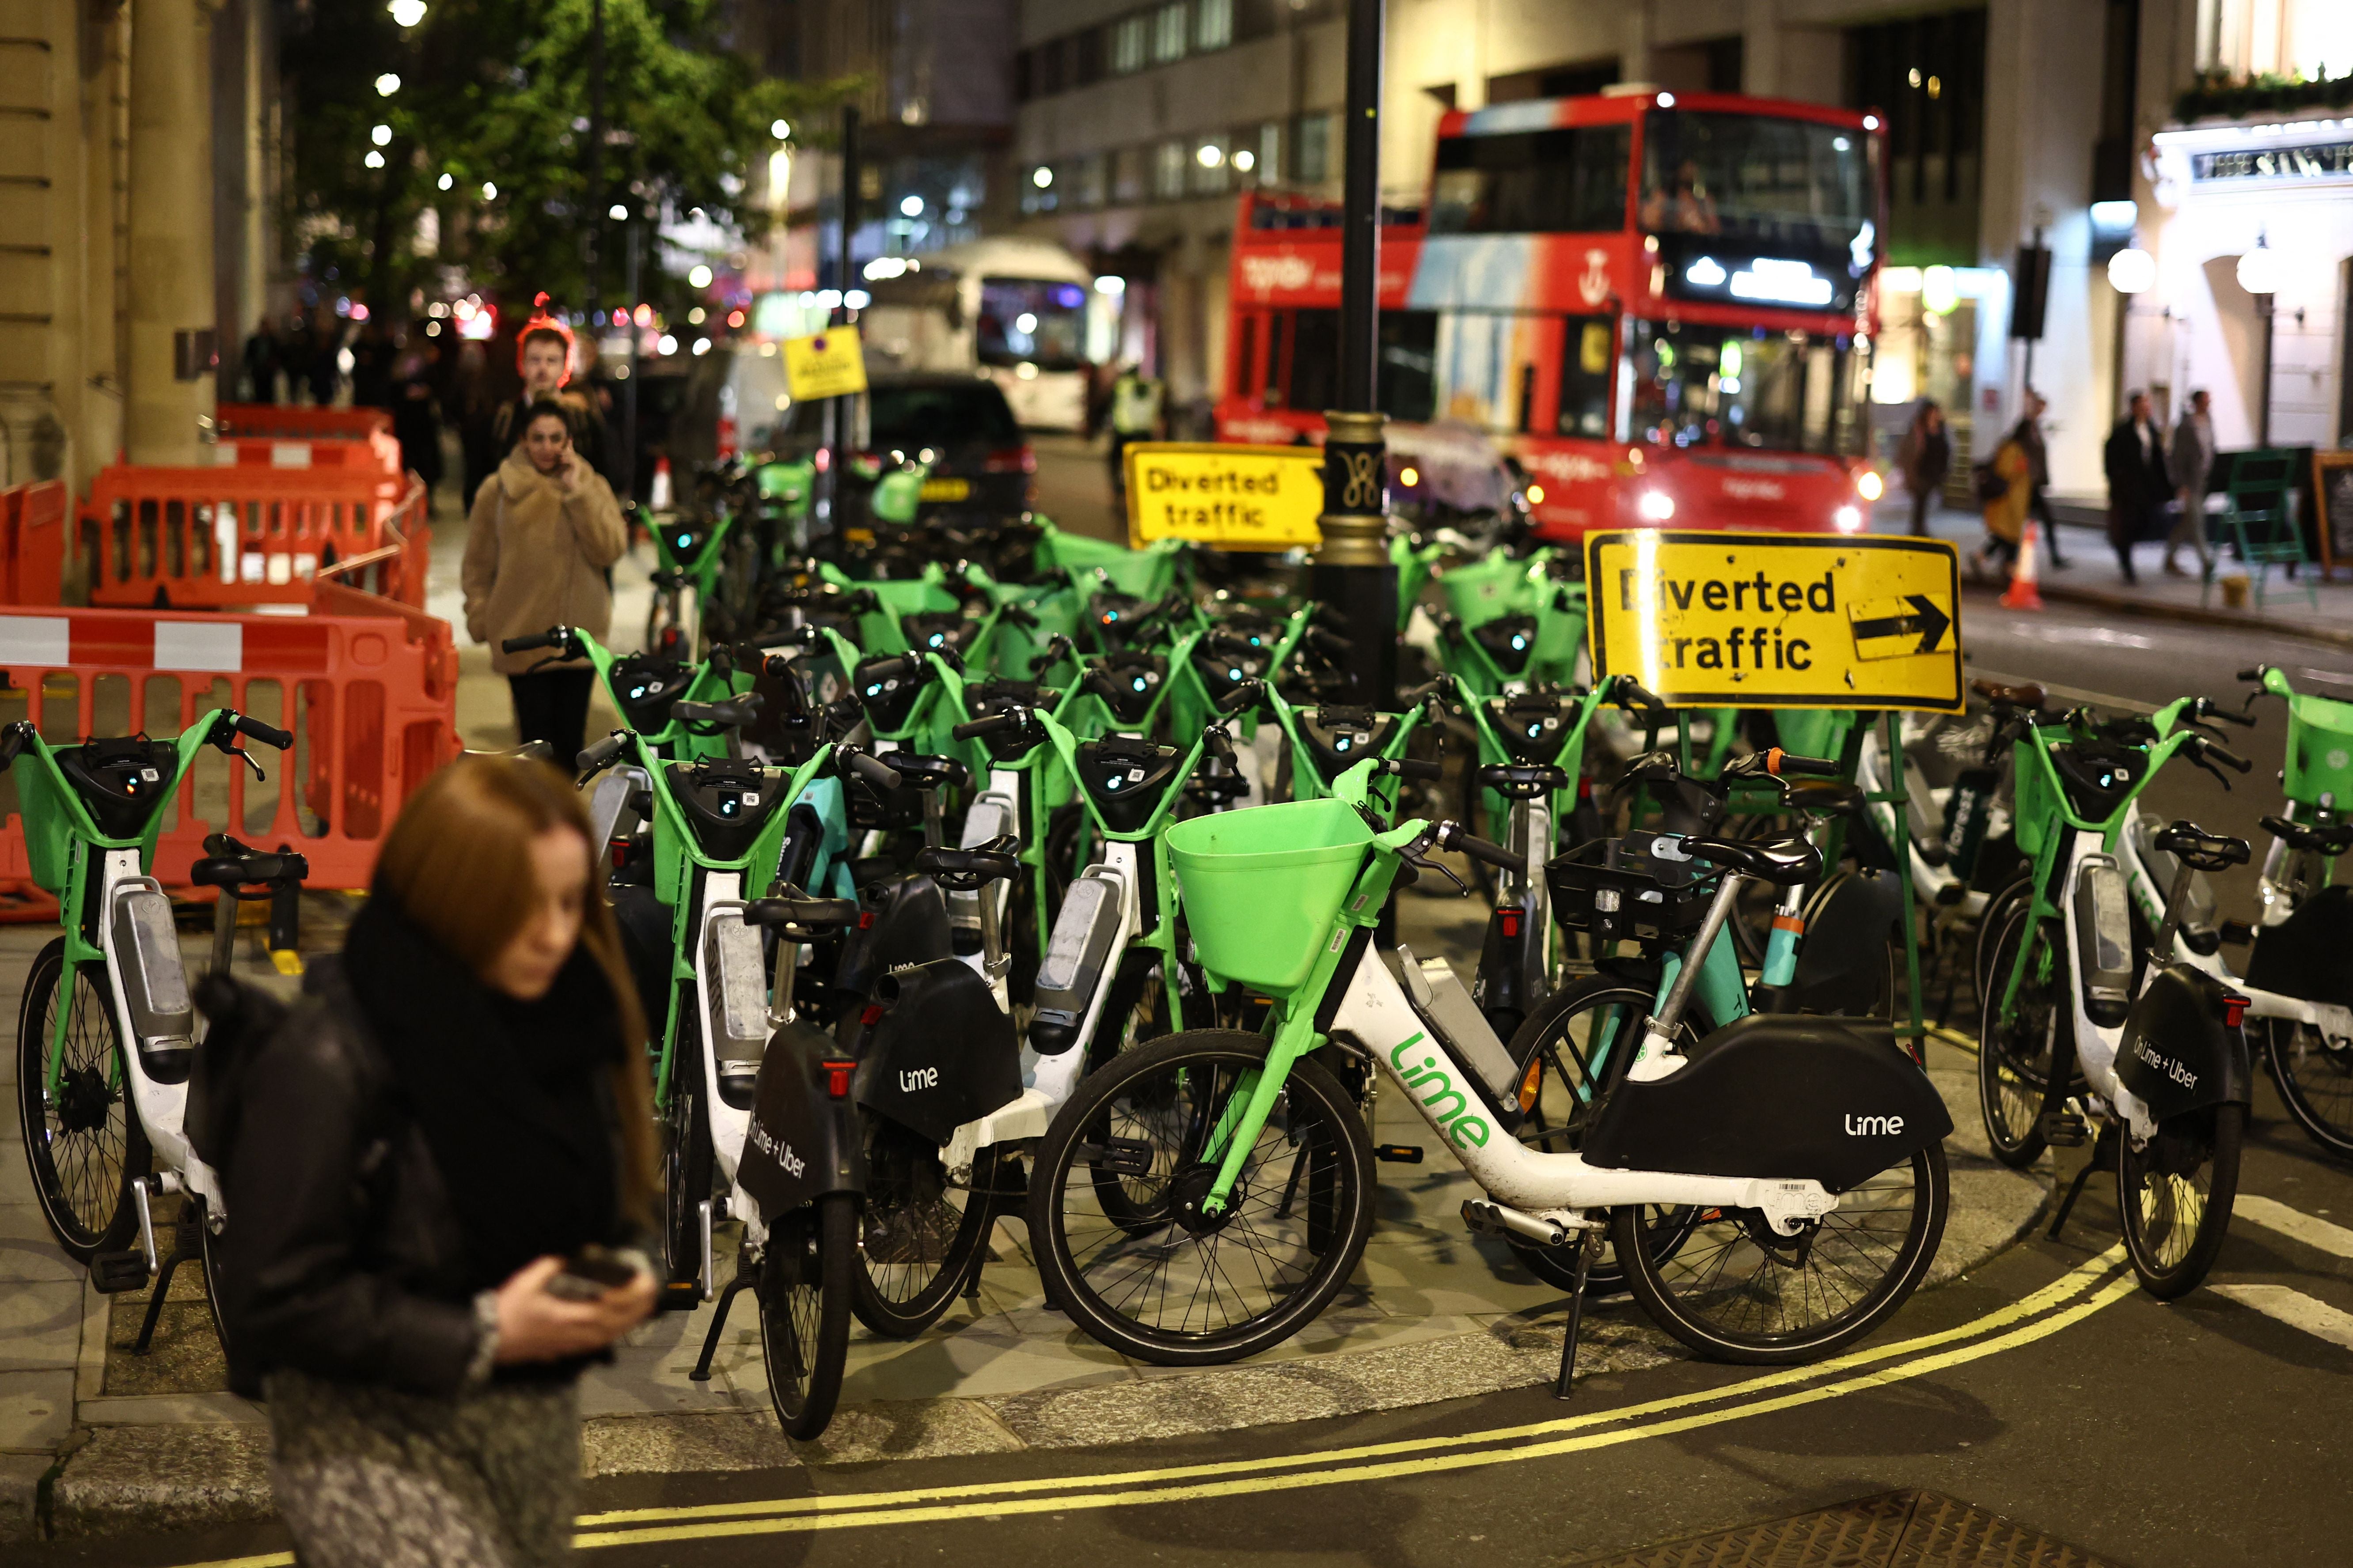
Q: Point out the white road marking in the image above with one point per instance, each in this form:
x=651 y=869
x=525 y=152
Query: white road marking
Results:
x=2295 y=1309
x=2273 y=1215
x=2103 y=636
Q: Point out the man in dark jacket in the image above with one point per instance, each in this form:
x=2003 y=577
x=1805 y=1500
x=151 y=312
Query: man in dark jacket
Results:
x=546 y=361
x=2137 y=481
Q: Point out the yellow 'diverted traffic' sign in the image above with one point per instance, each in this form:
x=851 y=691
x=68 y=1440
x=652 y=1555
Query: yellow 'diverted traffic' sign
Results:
x=1235 y=498
x=828 y=365
x=1777 y=620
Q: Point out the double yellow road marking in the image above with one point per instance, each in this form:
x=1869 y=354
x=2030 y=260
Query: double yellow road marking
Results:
x=2063 y=1303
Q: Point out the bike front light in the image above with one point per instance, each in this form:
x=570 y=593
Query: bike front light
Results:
x=1655 y=506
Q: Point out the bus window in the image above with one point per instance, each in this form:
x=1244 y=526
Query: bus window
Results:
x=1316 y=360
x=1532 y=182
x=1409 y=363
x=1587 y=365
x=1763 y=391
x=1024 y=321
x=1758 y=179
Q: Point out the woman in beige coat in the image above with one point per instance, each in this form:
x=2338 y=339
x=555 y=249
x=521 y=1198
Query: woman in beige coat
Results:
x=541 y=534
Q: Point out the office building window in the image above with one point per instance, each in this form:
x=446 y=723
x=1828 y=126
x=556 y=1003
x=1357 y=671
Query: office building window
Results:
x=1168 y=33
x=1213 y=23
x=1129 y=37
x=1128 y=174
x=1312 y=161
x=1168 y=176
x=1270 y=153
x=1089 y=178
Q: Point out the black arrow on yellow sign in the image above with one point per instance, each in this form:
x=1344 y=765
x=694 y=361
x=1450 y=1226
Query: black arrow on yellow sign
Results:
x=1891 y=628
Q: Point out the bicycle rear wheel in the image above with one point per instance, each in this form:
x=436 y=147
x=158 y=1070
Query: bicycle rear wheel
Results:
x=808 y=1278
x=85 y=1145
x=1736 y=1291
x=687 y=1164
x=2014 y=1053
x=922 y=1232
x=2315 y=1075
x=2176 y=1193
x=1161 y=1281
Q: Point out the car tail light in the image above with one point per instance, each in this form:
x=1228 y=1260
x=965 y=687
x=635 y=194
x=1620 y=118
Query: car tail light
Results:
x=1012 y=460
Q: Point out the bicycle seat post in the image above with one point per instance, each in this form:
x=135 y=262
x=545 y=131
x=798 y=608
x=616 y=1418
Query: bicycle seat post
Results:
x=225 y=931
x=1658 y=1041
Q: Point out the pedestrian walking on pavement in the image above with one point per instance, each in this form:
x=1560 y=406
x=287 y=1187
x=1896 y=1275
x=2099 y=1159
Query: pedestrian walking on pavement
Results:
x=1925 y=458
x=2028 y=432
x=1135 y=416
x=261 y=357
x=543 y=530
x=2137 y=483
x=2006 y=511
x=457 y=1109
x=326 y=368
x=544 y=358
x=2189 y=463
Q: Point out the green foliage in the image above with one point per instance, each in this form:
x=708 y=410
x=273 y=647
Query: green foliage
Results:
x=2267 y=92
x=499 y=91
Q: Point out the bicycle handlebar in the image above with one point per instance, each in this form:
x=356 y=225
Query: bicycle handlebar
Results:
x=991 y=725
x=13 y=741
x=1219 y=744
x=268 y=734
x=1244 y=693
x=1452 y=836
x=866 y=765
x=1409 y=768
x=599 y=754
x=555 y=636
x=1631 y=693
x=1778 y=762
x=2222 y=754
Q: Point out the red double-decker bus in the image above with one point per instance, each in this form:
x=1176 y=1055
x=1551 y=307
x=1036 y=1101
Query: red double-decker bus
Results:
x=1660 y=305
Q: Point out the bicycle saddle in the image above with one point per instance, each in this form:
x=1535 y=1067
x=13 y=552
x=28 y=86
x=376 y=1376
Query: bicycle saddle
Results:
x=1515 y=780
x=926 y=772
x=2329 y=838
x=733 y=713
x=965 y=871
x=2201 y=850
x=229 y=864
x=2028 y=695
x=1783 y=861
x=800 y=916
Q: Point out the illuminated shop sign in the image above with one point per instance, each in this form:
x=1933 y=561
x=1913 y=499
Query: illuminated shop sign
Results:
x=2328 y=160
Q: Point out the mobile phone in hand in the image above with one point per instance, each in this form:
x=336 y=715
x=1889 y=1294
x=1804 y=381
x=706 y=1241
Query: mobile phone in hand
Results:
x=587 y=1274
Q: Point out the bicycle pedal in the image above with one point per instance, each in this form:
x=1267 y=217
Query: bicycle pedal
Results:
x=2238 y=934
x=1398 y=1154
x=116 y=1272
x=678 y=1296
x=2064 y=1130
x=1121 y=1156
x=286 y=960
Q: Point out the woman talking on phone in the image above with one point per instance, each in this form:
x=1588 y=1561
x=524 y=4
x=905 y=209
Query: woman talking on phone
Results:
x=543 y=530
x=439 y=1161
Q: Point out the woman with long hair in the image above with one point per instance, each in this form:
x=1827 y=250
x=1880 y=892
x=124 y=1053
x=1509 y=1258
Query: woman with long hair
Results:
x=440 y=1162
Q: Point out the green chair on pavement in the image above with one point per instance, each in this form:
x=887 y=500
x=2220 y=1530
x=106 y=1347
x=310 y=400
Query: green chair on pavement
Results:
x=2260 y=517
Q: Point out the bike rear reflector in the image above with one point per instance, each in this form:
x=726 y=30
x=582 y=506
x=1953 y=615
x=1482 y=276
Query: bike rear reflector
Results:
x=837 y=1077
x=1511 y=922
x=2234 y=1008
x=872 y=1015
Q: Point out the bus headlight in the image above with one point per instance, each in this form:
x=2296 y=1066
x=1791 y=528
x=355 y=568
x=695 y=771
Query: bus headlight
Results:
x=1655 y=506
x=1869 y=485
x=1847 y=520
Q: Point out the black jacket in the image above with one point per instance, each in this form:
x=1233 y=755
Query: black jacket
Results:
x=341 y=1256
x=2137 y=482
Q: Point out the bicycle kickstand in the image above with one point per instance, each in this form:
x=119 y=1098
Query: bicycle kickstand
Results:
x=744 y=1280
x=184 y=1244
x=1566 y=1382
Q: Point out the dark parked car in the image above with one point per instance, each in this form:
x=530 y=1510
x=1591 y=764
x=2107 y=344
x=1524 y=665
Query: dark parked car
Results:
x=980 y=465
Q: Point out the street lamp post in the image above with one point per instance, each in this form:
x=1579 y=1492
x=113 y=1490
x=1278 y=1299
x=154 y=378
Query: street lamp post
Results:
x=1352 y=571
x=838 y=435
x=2258 y=272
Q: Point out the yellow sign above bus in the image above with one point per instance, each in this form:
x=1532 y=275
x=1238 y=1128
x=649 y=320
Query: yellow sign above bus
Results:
x=1777 y=620
x=1231 y=497
x=830 y=363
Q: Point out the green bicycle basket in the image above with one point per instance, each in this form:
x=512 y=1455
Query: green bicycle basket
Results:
x=1261 y=887
x=2320 y=750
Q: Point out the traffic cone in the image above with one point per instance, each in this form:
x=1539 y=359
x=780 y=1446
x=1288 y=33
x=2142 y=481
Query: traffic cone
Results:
x=660 y=500
x=2020 y=594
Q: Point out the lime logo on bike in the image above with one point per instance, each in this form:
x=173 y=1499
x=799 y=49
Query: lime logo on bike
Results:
x=1448 y=1108
x=1777 y=620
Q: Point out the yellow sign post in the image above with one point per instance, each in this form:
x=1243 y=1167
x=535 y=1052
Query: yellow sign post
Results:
x=1235 y=498
x=829 y=365
x=1777 y=620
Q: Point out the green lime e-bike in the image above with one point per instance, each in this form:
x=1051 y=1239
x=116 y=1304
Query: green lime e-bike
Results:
x=1204 y=1196
x=107 y=1039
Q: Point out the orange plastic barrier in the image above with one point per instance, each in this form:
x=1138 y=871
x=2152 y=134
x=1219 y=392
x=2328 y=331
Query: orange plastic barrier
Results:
x=284 y=422
x=369 y=689
x=377 y=454
x=206 y=538
x=33 y=542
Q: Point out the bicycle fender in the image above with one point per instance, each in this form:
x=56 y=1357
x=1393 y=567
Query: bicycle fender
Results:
x=1842 y=964
x=941 y=1054
x=2304 y=955
x=2178 y=1056
x=803 y=1143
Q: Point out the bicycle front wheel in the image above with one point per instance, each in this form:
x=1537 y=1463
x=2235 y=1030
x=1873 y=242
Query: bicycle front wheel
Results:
x=1154 y=1276
x=808 y=1278
x=2315 y=1075
x=84 y=1143
x=687 y=1164
x=1738 y=1290
x=2176 y=1192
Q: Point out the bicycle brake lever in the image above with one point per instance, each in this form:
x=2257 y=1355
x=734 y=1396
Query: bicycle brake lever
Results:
x=1419 y=863
x=246 y=758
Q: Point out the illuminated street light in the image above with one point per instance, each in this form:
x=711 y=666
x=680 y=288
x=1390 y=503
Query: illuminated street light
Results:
x=1041 y=176
x=700 y=278
x=1245 y=161
x=1209 y=155
x=406 y=12
x=446 y=180
x=374 y=159
x=779 y=129
x=490 y=190
x=381 y=135
x=2132 y=270
x=386 y=85
x=1940 y=292
x=666 y=344
x=913 y=207
x=616 y=212
x=2259 y=270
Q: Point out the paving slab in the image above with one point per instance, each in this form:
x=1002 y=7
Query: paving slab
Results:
x=36 y=1411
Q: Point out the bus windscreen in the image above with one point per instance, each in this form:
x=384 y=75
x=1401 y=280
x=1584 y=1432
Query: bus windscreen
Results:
x=1028 y=321
x=1699 y=387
